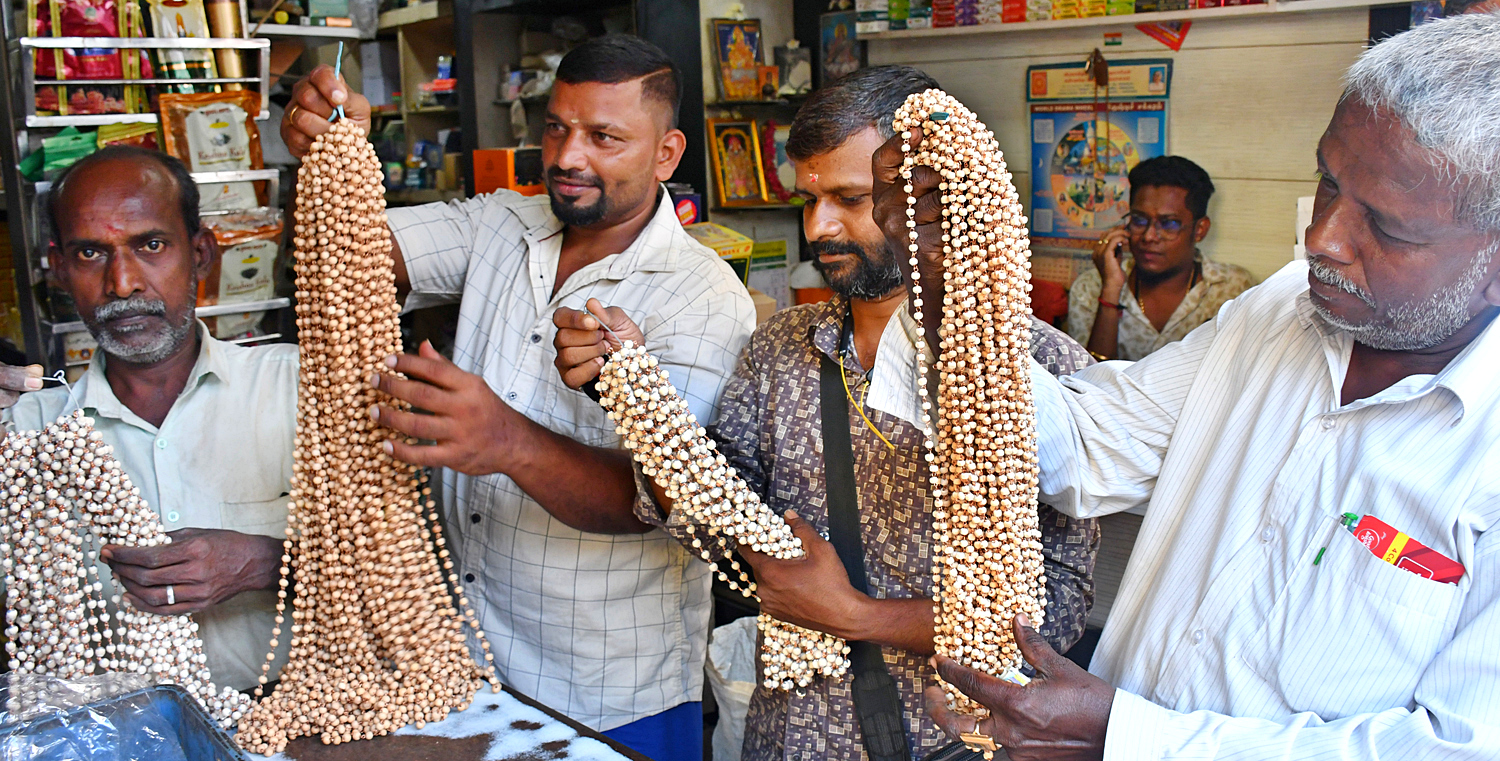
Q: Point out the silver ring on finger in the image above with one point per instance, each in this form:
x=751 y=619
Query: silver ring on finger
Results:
x=172 y=600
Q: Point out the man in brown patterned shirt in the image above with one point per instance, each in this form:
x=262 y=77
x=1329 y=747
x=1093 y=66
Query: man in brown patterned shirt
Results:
x=769 y=428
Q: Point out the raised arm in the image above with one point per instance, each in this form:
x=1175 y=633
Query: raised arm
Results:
x=314 y=98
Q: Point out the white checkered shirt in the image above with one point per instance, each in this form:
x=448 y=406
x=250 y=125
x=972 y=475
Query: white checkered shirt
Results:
x=607 y=629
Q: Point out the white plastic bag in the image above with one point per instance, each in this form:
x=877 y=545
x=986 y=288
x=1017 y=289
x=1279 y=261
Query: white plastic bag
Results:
x=731 y=674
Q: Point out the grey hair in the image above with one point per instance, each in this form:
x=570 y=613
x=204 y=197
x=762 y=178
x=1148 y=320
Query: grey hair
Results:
x=1442 y=80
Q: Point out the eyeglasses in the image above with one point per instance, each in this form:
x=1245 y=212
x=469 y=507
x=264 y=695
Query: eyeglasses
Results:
x=1140 y=223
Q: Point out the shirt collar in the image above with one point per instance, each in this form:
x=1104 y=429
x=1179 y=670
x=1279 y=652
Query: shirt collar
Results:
x=96 y=394
x=1470 y=378
x=651 y=251
x=828 y=335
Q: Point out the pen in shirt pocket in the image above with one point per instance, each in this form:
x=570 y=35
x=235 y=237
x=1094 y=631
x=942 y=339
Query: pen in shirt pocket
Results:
x=1400 y=550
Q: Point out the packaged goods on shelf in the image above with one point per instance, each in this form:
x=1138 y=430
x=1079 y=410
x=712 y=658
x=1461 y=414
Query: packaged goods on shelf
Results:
x=215 y=132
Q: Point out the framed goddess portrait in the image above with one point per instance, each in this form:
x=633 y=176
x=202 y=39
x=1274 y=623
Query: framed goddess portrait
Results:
x=734 y=146
x=737 y=58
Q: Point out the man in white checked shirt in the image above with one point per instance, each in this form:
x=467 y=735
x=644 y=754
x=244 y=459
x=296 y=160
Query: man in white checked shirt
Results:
x=589 y=610
x=1251 y=624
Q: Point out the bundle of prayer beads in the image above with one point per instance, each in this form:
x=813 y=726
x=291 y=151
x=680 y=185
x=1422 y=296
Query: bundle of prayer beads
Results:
x=713 y=504
x=377 y=640
x=66 y=496
x=982 y=445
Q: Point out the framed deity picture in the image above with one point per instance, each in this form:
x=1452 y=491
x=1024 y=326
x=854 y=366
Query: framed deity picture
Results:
x=737 y=58
x=734 y=147
x=840 y=51
x=781 y=176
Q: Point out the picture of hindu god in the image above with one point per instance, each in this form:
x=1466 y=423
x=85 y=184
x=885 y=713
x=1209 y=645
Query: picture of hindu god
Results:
x=737 y=159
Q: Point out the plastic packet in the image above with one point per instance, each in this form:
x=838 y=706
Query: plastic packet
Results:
x=103 y=717
x=215 y=132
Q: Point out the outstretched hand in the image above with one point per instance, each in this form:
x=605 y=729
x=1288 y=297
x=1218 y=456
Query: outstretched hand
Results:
x=203 y=567
x=472 y=431
x=314 y=98
x=812 y=591
x=582 y=341
x=1062 y=714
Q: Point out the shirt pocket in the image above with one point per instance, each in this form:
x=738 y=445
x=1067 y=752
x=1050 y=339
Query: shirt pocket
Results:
x=1352 y=634
x=265 y=516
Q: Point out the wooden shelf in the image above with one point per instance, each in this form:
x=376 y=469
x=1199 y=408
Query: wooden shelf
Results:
x=330 y=33
x=431 y=109
x=414 y=13
x=1273 y=6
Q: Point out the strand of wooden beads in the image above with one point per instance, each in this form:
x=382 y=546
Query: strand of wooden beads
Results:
x=66 y=496
x=663 y=435
x=981 y=440
x=377 y=641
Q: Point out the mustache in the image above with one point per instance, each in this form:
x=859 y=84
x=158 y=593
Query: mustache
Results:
x=574 y=177
x=837 y=248
x=1333 y=278
x=139 y=307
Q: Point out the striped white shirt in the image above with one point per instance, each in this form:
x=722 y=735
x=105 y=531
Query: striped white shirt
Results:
x=607 y=629
x=1231 y=638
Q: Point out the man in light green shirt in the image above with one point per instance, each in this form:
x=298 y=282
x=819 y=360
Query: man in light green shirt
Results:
x=204 y=428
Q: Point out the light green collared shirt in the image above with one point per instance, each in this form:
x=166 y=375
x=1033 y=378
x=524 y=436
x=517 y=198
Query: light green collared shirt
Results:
x=221 y=459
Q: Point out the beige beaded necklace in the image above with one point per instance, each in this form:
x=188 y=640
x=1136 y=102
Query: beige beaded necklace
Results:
x=377 y=639
x=65 y=497
x=982 y=444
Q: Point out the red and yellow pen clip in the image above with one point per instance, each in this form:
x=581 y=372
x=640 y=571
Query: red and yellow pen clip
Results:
x=1400 y=550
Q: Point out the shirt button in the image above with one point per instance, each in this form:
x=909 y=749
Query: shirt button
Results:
x=1198 y=637
x=161 y=443
x=172 y=517
x=469 y=577
x=1267 y=534
x=1328 y=424
x=474 y=518
x=536 y=338
x=511 y=395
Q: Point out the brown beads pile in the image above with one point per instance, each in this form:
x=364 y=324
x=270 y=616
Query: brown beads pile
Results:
x=376 y=639
x=663 y=435
x=65 y=497
x=982 y=446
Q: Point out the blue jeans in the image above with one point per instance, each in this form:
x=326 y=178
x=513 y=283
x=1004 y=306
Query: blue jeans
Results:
x=675 y=734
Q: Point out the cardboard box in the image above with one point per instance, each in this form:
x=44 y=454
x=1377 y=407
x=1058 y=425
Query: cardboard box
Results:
x=518 y=169
x=765 y=306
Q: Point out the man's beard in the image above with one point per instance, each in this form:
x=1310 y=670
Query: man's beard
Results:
x=1406 y=327
x=152 y=344
x=873 y=275
x=569 y=213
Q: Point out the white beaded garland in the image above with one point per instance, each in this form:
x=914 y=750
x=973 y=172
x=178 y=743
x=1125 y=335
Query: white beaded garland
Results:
x=982 y=445
x=663 y=435
x=377 y=640
x=65 y=496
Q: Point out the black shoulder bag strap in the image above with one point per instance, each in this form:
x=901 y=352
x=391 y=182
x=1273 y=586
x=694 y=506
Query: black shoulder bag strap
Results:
x=876 y=701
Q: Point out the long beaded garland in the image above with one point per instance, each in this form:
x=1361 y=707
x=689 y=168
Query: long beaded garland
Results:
x=663 y=435
x=982 y=445
x=66 y=496
x=377 y=642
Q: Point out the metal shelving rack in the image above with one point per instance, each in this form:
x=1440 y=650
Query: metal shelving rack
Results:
x=42 y=336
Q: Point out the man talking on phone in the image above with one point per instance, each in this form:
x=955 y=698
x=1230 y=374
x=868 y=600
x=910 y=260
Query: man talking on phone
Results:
x=1150 y=284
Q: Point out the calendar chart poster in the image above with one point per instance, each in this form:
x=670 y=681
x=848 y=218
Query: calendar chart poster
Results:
x=1082 y=150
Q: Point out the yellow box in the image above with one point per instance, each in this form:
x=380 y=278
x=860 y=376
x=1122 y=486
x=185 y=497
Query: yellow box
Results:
x=724 y=241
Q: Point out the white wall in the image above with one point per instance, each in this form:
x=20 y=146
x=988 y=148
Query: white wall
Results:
x=1250 y=97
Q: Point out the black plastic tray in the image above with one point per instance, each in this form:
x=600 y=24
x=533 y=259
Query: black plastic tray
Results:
x=200 y=738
